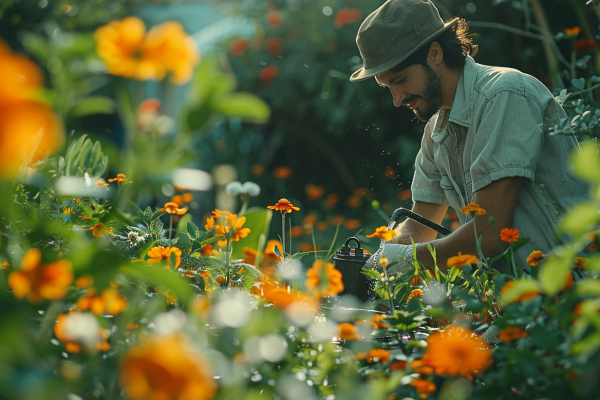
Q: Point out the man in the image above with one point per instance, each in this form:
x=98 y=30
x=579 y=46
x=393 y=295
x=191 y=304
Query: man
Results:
x=486 y=140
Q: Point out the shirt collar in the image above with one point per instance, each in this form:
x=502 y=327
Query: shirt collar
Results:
x=462 y=106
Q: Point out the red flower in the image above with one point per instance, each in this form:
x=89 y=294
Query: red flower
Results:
x=274 y=46
x=239 y=46
x=274 y=19
x=346 y=16
x=509 y=235
x=268 y=73
x=583 y=45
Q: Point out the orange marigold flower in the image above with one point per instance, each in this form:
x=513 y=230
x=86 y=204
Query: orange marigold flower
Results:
x=383 y=233
x=574 y=31
x=352 y=224
x=159 y=253
x=396 y=365
x=460 y=260
x=509 y=235
x=84 y=281
x=284 y=205
x=111 y=301
x=99 y=230
x=331 y=200
x=347 y=331
x=101 y=183
x=223 y=222
x=524 y=297
x=378 y=355
x=120 y=178
x=239 y=46
x=274 y=19
x=296 y=231
x=535 y=257
x=282 y=172
x=454 y=225
x=38 y=281
x=346 y=16
x=167 y=367
x=321 y=226
x=324 y=280
x=257 y=169
x=414 y=293
x=5 y=265
x=314 y=192
x=268 y=73
x=173 y=208
x=404 y=194
x=472 y=207
x=424 y=387
x=457 y=351
x=354 y=201
x=187 y=197
x=511 y=333
x=383 y=261
x=376 y=321
x=29 y=129
x=178 y=199
x=208 y=250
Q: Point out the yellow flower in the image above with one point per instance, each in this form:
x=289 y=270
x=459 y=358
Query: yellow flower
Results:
x=110 y=302
x=383 y=261
x=472 y=207
x=376 y=321
x=165 y=368
x=383 y=233
x=457 y=351
x=223 y=222
x=460 y=260
x=128 y=51
x=324 y=280
x=159 y=253
x=41 y=281
x=423 y=386
x=347 y=331
x=173 y=208
x=284 y=205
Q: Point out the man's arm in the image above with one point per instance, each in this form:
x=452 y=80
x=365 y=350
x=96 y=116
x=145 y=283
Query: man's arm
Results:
x=411 y=229
x=499 y=199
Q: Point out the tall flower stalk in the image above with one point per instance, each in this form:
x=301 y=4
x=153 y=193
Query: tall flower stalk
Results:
x=284 y=207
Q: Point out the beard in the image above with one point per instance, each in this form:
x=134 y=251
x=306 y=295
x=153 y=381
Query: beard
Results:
x=432 y=97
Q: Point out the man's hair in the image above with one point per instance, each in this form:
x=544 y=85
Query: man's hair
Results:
x=456 y=43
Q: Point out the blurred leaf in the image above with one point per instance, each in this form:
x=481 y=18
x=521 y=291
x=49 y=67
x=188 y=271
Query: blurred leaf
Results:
x=244 y=105
x=182 y=224
x=93 y=105
x=371 y=273
x=578 y=83
x=581 y=219
x=158 y=275
x=258 y=220
x=554 y=271
x=544 y=337
x=586 y=163
x=588 y=287
x=519 y=288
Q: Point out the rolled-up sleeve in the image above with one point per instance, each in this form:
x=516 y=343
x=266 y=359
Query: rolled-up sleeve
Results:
x=508 y=139
x=426 y=180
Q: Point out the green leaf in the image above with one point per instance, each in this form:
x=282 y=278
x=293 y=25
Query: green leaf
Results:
x=586 y=163
x=588 y=287
x=136 y=208
x=193 y=230
x=182 y=224
x=578 y=83
x=519 y=288
x=581 y=219
x=258 y=220
x=184 y=244
x=414 y=305
x=93 y=105
x=382 y=290
x=156 y=214
x=157 y=275
x=244 y=105
x=371 y=273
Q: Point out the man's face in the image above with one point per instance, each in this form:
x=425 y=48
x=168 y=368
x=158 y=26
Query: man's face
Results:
x=419 y=87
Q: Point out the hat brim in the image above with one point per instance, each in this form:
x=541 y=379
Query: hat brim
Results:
x=363 y=74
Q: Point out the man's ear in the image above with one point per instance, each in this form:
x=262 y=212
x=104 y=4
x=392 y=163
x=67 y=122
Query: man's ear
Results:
x=436 y=54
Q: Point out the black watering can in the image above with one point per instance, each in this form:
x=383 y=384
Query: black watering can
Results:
x=350 y=261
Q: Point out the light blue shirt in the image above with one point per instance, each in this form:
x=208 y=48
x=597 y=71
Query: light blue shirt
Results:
x=498 y=127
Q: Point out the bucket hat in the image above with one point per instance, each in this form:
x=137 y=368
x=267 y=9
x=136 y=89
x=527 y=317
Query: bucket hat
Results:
x=393 y=32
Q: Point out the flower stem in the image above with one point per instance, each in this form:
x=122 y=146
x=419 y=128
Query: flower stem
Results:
x=170 y=225
x=283 y=234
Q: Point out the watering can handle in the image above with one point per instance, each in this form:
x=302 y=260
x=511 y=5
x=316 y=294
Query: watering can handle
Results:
x=403 y=212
